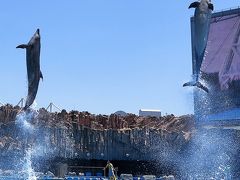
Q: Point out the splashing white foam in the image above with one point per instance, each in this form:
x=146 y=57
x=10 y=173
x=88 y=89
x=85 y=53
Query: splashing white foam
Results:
x=30 y=174
x=34 y=105
x=23 y=121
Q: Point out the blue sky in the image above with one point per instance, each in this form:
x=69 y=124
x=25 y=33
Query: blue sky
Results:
x=102 y=55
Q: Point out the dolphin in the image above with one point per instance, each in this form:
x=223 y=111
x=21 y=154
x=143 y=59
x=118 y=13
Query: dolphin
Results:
x=33 y=67
x=202 y=19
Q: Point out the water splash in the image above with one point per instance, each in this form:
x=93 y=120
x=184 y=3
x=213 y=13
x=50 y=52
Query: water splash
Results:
x=24 y=123
x=208 y=153
x=34 y=105
x=27 y=167
x=208 y=156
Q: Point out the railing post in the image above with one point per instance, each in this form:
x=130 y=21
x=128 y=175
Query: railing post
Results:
x=51 y=106
x=21 y=102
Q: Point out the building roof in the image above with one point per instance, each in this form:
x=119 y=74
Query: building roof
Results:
x=150 y=110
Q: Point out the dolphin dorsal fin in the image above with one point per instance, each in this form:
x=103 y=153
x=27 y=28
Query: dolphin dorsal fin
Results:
x=210 y=6
x=194 y=4
x=41 y=76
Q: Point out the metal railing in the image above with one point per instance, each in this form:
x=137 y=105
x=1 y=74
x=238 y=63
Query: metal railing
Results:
x=21 y=102
x=51 y=106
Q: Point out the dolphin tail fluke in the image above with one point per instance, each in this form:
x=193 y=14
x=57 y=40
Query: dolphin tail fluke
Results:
x=22 y=110
x=210 y=6
x=25 y=108
x=191 y=83
x=23 y=46
x=197 y=84
x=194 y=5
x=201 y=86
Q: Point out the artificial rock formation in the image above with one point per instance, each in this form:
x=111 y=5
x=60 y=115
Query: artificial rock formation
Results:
x=87 y=136
x=171 y=142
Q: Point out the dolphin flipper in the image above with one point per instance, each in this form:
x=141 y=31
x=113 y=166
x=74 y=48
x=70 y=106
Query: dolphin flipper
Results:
x=23 y=46
x=194 y=5
x=197 y=84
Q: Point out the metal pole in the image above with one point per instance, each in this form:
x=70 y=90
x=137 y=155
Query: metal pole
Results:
x=21 y=102
x=51 y=106
x=56 y=107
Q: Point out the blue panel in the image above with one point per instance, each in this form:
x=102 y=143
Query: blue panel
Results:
x=99 y=174
x=88 y=174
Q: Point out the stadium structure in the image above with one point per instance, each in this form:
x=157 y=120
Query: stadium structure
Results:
x=220 y=70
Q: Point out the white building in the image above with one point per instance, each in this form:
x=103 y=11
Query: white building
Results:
x=150 y=112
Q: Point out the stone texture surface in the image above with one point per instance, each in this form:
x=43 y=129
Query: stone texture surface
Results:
x=88 y=136
x=171 y=143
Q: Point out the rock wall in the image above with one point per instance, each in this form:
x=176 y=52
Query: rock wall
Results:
x=86 y=136
x=172 y=143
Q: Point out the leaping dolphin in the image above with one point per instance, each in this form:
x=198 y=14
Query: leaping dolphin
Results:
x=33 y=67
x=202 y=19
